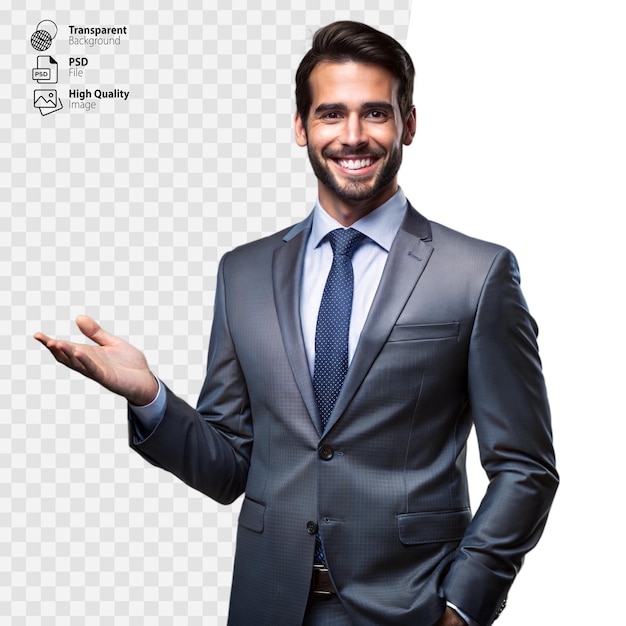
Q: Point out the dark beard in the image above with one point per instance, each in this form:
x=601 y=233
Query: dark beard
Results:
x=355 y=191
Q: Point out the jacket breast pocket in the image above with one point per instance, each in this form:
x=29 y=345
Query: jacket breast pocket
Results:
x=421 y=332
x=252 y=515
x=440 y=526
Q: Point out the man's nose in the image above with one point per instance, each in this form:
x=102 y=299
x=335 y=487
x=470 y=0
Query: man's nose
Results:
x=353 y=133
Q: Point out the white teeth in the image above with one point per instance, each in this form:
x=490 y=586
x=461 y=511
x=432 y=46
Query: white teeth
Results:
x=356 y=165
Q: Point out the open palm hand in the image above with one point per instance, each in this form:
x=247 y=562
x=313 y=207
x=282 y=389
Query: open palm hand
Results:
x=114 y=363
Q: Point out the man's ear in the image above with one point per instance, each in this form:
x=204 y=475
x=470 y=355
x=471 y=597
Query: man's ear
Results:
x=299 y=129
x=410 y=127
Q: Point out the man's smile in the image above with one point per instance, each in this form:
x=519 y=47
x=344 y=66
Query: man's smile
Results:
x=356 y=164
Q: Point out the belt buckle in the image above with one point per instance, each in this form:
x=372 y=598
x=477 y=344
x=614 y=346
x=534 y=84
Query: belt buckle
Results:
x=321 y=585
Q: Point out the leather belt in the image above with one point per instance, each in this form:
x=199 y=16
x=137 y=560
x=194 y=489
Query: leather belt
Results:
x=321 y=585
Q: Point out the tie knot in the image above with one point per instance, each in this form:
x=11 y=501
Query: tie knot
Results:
x=345 y=240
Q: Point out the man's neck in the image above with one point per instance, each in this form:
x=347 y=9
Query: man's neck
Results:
x=347 y=212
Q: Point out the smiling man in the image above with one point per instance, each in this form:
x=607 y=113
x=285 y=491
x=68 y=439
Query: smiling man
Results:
x=349 y=358
x=354 y=131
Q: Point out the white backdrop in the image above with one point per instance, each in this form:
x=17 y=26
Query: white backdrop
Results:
x=522 y=140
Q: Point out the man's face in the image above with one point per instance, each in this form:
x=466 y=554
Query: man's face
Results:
x=354 y=135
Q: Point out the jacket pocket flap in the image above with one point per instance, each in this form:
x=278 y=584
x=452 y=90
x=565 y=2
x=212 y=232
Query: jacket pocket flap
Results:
x=416 y=528
x=415 y=332
x=252 y=515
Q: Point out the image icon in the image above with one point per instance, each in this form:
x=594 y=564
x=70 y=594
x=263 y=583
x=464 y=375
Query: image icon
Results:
x=47 y=101
x=47 y=70
x=42 y=38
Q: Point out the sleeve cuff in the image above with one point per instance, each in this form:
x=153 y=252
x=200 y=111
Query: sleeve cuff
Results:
x=147 y=418
x=467 y=619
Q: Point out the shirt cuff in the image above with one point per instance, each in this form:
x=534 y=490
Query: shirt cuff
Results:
x=147 y=417
x=468 y=619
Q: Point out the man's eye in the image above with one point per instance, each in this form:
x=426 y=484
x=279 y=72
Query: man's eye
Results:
x=331 y=115
x=376 y=114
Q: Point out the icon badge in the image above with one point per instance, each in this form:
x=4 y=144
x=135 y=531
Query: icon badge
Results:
x=42 y=38
x=47 y=101
x=47 y=70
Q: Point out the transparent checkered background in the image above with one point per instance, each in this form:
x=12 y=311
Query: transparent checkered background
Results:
x=122 y=213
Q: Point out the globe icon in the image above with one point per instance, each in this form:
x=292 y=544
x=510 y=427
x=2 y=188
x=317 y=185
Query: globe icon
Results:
x=41 y=40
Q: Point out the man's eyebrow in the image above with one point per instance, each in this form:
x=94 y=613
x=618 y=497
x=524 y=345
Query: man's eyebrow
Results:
x=381 y=104
x=330 y=106
x=366 y=106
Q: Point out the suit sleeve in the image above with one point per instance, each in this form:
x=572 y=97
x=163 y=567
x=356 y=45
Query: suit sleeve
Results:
x=208 y=448
x=512 y=419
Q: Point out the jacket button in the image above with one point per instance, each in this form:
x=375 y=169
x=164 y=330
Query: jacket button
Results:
x=326 y=452
x=311 y=528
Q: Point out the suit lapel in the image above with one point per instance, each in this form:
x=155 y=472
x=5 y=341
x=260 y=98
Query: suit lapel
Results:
x=287 y=280
x=407 y=259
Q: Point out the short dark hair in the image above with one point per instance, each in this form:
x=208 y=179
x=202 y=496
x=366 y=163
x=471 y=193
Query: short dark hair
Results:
x=344 y=41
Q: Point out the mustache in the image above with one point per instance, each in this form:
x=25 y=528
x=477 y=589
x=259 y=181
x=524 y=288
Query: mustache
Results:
x=378 y=153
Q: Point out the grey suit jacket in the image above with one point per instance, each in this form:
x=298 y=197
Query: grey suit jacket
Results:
x=448 y=342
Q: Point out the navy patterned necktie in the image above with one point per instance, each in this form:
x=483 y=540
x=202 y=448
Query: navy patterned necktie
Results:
x=333 y=322
x=332 y=332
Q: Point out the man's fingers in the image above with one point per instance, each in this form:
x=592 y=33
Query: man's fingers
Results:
x=87 y=366
x=58 y=349
x=90 y=328
x=41 y=338
x=75 y=356
x=66 y=353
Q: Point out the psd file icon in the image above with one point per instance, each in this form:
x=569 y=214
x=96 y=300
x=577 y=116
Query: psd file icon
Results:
x=47 y=70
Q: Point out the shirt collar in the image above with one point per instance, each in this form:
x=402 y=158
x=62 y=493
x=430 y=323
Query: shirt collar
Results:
x=381 y=225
